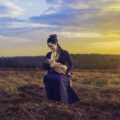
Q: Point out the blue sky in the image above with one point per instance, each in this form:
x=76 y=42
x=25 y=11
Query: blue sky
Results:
x=82 y=26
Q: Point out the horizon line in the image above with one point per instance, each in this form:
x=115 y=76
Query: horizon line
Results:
x=70 y=54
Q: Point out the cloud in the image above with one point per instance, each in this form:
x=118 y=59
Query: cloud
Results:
x=93 y=16
x=16 y=42
x=66 y=12
x=9 y=9
x=73 y=15
x=15 y=27
x=108 y=19
x=70 y=18
x=13 y=39
x=51 y=10
x=55 y=1
x=113 y=7
x=81 y=35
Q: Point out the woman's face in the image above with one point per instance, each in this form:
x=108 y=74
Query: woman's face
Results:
x=52 y=46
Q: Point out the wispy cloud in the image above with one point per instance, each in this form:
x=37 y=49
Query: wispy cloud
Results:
x=81 y=35
x=9 y=9
x=77 y=13
x=95 y=16
x=55 y=1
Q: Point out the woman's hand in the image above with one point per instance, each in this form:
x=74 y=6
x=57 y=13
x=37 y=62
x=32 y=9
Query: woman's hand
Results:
x=47 y=61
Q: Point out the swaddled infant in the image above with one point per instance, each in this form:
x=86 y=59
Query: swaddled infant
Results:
x=58 y=67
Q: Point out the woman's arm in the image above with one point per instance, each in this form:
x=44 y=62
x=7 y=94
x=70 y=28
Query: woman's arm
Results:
x=46 y=65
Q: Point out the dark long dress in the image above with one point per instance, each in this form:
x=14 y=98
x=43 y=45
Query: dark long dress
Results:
x=57 y=85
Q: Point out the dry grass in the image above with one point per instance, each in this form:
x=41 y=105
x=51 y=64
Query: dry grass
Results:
x=22 y=96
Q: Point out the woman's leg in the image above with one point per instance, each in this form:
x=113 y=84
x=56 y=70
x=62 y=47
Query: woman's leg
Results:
x=52 y=86
x=56 y=88
x=63 y=88
x=48 y=87
x=68 y=95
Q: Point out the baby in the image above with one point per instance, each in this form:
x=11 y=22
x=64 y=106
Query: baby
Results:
x=58 y=67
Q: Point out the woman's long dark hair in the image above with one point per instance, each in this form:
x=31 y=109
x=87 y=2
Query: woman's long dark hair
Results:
x=60 y=50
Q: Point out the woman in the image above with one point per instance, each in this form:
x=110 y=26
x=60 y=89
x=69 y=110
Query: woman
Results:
x=59 y=65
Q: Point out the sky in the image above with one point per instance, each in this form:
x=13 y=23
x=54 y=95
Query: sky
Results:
x=82 y=26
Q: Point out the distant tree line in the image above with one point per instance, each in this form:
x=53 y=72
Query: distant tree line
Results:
x=96 y=61
x=80 y=61
x=21 y=62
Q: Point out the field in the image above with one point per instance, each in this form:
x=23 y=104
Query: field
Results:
x=22 y=96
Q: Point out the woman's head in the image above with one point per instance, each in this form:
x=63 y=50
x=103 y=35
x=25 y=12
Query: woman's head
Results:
x=52 y=39
x=53 y=43
x=52 y=46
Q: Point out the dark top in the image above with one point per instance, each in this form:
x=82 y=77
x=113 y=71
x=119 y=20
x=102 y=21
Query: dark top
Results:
x=64 y=58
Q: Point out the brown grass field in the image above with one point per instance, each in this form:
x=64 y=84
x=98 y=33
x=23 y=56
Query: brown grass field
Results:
x=22 y=96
